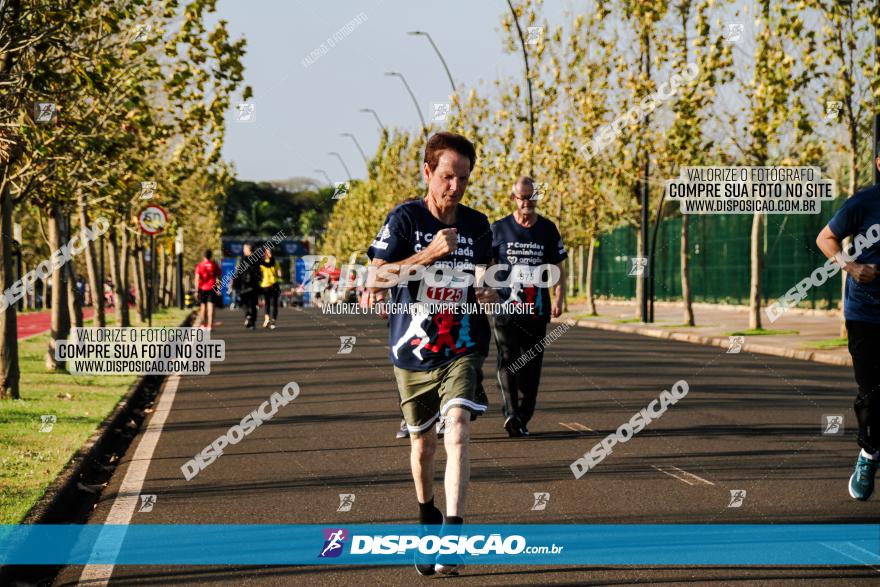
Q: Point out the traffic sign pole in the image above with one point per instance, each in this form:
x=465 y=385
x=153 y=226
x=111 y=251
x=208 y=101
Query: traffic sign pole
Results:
x=152 y=220
x=152 y=277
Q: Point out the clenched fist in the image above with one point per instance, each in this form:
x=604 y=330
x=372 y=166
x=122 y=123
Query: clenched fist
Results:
x=863 y=273
x=444 y=242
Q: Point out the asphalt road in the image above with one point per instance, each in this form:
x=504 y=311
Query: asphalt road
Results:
x=749 y=422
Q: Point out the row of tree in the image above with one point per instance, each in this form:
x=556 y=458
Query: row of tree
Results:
x=98 y=98
x=777 y=83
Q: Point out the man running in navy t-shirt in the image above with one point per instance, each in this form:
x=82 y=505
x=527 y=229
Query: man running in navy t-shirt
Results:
x=437 y=352
x=861 y=309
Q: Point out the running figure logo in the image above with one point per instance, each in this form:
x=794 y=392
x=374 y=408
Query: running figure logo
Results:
x=541 y=501
x=346 y=500
x=147 y=503
x=415 y=331
x=733 y=32
x=735 y=344
x=439 y=111
x=342 y=189
x=534 y=34
x=140 y=32
x=245 y=112
x=832 y=424
x=832 y=109
x=737 y=497
x=540 y=190
x=333 y=542
x=444 y=322
x=639 y=264
x=148 y=190
x=346 y=345
x=44 y=112
x=47 y=422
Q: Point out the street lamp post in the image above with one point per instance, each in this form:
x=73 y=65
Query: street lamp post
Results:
x=528 y=79
x=436 y=50
x=413 y=96
x=356 y=144
x=344 y=166
x=327 y=177
x=376 y=116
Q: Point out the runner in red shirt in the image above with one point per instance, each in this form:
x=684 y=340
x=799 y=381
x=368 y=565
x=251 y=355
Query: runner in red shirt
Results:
x=207 y=274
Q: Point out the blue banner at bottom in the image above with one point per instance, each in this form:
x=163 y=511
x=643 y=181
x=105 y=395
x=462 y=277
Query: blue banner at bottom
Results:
x=380 y=544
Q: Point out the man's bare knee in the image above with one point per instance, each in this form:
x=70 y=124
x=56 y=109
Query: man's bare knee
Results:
x=424 y=445
x=458 y=428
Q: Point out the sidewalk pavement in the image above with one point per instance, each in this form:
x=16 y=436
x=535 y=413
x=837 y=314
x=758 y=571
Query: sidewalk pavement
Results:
x=715 y=323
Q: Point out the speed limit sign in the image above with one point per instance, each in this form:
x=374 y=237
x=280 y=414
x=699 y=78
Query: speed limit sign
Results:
x=152 y=219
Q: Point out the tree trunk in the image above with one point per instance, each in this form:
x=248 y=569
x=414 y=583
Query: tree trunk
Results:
x=113 y=253
x=44 y=303
x=31 y=295
x=686 y=295
x=588 y=285
x=27 y=292
x=169 y=278
x=581 y=267
x=640 y=280
x=93 y=271
x=121 y=285
x=159 y=278
x=756 y=263
x=60 y=315
x=74 y=303
x=9 y=369
x=135 y=277
x=141 y=268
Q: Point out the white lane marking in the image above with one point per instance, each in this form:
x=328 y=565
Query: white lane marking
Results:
x=697 y=477
x=672 y=475
x=576 y=426
x=127 y=497
x=868 y=552
x=852 y=557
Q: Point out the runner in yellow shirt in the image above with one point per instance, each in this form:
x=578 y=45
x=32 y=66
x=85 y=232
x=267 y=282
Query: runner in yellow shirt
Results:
x=270 y=273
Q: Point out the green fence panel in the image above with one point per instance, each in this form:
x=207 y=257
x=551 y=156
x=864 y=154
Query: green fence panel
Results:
x=719 y=255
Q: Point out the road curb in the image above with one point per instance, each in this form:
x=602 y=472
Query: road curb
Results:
x=58 y=502
x=749 y=347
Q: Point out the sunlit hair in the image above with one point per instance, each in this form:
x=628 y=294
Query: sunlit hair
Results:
x=441 y=141
x=523 y=181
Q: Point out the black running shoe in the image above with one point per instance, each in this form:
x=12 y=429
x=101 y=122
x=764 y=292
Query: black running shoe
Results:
x=513 y=427
x=424 y=563
x=449 y=564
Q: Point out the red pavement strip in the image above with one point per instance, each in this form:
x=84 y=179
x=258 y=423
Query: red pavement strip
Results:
x=34 y=323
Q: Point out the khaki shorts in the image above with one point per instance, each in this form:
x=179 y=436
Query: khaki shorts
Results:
x=426 y=395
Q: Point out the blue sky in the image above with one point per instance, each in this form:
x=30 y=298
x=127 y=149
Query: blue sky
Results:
x=301 y=110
